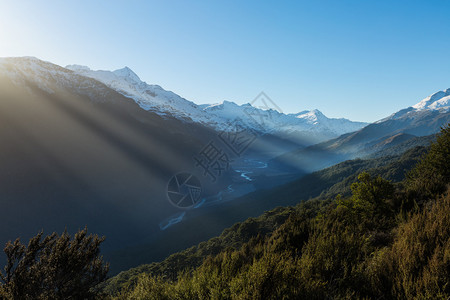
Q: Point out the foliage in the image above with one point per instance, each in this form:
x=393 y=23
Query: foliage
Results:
x=193 y=257
x=53 y=267
x=417 y=265
x=324 y=185
x=420 y=141
x=432 y=174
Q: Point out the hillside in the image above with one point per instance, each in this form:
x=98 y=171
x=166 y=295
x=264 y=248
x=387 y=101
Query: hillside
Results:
x=319 y=187
x=75 y=153
x=360 y=246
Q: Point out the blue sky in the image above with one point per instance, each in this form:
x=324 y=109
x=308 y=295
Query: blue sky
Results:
x=361 y=60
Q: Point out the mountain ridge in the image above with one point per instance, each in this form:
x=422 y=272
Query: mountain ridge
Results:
x=220 y=115
x=422 y=119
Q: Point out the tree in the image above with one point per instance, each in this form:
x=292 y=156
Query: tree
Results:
x=370 y=206
x=53 y=267
x=432 y=174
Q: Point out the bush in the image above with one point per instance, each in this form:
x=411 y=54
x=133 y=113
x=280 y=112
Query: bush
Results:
x=53 y=267
x=417 y=266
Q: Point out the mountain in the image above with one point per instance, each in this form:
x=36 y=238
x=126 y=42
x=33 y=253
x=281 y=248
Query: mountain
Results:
x=76 y=153
x=425 y=118
x=79 y=151
x=436 y=102
x=422 y=119
x=307 y=127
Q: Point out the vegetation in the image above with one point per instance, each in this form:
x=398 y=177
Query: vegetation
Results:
x=53 y=267
x=368 y=235
x=383 y=240
x=261 y=206
x=432 y=174
x=322 y=185
x=422 y=141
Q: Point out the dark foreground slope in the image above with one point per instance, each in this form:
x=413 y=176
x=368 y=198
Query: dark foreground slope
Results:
x=75 y=153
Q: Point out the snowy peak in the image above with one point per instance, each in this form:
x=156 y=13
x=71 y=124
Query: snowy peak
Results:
x=127 y=74
x=218 y=116
x=312 y=115
x=78 y=68
x=224 y=106
x=50 y=77
x=149 y=97
x=437 y=101
x=21 y=70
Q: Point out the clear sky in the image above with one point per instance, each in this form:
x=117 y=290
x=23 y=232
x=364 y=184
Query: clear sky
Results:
x=361 y=60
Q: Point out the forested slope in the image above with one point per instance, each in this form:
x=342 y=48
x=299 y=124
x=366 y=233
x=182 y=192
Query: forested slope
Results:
x=384 y=241
x=321 y=186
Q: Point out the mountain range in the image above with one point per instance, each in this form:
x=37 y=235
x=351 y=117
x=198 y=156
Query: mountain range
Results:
x=312 y=126
x=422 y=119
x=98 y=148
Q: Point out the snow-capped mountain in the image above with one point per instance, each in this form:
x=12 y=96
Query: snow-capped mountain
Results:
x=149 y=97
x=49 y=77
x=218 y=116
x=437 y=102
x=424 y=118
x=74 y=151
x=416 y=123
